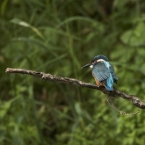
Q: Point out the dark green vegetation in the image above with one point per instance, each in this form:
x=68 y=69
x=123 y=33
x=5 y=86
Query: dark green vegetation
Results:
x=58 y=37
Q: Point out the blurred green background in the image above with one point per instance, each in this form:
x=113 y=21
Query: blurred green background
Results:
x=59 y=37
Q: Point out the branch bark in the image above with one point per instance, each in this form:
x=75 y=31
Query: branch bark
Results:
x=48 y=77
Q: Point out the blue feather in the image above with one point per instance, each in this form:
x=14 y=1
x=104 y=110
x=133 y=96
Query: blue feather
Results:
x=109 y=83
x=104 y=71
x=107 y=64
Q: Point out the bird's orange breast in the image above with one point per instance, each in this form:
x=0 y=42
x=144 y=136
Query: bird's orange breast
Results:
x=97 y=81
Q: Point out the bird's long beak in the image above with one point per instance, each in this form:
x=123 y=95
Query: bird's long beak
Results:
x=86 y=65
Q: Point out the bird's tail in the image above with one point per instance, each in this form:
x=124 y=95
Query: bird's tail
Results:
x=109 y=83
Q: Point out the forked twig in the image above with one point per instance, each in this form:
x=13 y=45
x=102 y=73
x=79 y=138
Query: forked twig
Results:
x=109 y=100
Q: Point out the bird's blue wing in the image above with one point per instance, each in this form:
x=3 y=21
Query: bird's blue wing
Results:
x=113 y=73
x=101 y=71
x=104 y=72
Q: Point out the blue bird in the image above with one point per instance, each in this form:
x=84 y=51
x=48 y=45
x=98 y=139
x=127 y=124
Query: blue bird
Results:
x=103 y=72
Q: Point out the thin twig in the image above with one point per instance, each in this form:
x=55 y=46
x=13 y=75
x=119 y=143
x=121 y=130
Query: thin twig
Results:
x=110 y=101
x=48 y=77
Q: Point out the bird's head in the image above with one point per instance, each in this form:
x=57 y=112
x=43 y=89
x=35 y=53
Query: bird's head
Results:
x=95 y=60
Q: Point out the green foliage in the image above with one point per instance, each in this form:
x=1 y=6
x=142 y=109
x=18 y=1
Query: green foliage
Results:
x=59 y=37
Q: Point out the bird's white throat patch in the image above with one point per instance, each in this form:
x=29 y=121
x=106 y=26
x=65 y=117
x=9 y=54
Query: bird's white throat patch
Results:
x=91 y=66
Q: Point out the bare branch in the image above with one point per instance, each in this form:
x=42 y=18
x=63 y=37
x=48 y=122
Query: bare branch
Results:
x=48 y=77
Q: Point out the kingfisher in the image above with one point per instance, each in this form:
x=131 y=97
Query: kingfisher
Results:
x=103 y=72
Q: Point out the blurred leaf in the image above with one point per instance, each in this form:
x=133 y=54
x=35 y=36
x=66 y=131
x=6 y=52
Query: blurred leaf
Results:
x=5 y=107
x=3 y=6
x=25 y=24
x=135 y=37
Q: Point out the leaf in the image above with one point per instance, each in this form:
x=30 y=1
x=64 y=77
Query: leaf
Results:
x=4 y=108
x=25 y=24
